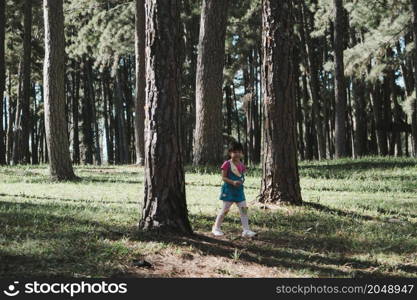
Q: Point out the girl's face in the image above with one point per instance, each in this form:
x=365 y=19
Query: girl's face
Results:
x=236 y=154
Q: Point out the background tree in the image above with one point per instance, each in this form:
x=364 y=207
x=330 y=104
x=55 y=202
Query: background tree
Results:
x=340 y=89
x=140 y=81
x=208 y=139
x=2 y=78
x=413 y=105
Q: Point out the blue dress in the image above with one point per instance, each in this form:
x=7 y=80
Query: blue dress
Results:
x=232 y=193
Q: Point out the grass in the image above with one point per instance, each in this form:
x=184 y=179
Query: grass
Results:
x=359 y=219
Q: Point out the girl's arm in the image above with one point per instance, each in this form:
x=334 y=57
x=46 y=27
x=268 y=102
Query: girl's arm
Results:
x=226 y=179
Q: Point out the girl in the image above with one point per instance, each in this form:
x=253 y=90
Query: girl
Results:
x=232 y=190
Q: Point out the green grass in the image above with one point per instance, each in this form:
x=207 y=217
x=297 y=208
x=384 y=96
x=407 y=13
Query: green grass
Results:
x=359 y=219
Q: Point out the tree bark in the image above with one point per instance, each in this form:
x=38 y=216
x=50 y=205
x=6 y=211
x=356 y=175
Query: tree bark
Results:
x=122 y=154
x=378 y=114
x=208 y=137
x=359 y=105
x=280 y=179
x=87 y=114
x=339 y=76
x=313 y=67
x=26 y=89
x=2 y=79
x=11 y=113
x=164 y=207
x=75 y=114
x=107 y=112
x=17 y=125
x=60 y=166
x=414 y=102
x=140 y=81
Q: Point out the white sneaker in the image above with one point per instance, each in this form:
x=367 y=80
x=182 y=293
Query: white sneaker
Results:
x=217 y=232
x=248 y=233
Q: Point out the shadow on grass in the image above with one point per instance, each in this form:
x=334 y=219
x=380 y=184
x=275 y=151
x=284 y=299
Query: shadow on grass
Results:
x=58 y=199
x=90 y=247
x=344 y=169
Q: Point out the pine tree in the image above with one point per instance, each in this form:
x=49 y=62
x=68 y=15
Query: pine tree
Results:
x=60 y=166
x=280 y=178
x=208 y=139
x=140 y=81
x=164 y=207
x=2 y=78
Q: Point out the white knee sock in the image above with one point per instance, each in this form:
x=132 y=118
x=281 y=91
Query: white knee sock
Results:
x=222 y=213
x=244 y=218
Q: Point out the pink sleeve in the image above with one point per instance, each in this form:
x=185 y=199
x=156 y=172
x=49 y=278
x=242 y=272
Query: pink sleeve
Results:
x=225 y=166
x=244 y=169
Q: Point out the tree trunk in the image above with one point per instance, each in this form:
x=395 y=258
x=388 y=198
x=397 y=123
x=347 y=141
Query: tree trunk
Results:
x=414 y=102
x=359 y=106
x=378 y=113
x=11 y=114
x=208 y=138
x=60 y=166
x=107 y=112
x=312 y=48
x=87 y=115
x=26 y=88
x=164 y=207
x=97 y=150
x=126 y=108
x=2 y=79
x=17 y=125
x=339 y=76
x=121 y=136
x=140 y=81
x=280 y=179
x=75 y=114
x=34 y=129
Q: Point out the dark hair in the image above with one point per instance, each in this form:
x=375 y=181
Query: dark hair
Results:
x=235 y=146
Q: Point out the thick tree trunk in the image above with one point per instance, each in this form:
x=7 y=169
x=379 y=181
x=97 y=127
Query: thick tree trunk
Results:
x=164 y=207
x=339 y=76
x=208 y=138
x=280 y=179
x=2 y=79
x=140 y=82
x=60 y=166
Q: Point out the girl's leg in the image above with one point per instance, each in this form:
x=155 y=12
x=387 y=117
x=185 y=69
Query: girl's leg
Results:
x=243 y=209
x=222 y=213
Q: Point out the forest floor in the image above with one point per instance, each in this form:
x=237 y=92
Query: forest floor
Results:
x=359 y=219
